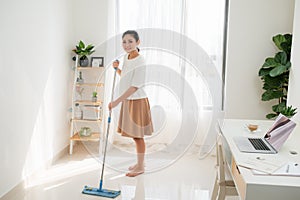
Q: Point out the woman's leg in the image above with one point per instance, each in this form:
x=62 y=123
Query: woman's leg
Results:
x=140 y=150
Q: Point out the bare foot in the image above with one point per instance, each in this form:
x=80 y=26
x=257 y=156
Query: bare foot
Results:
x=132 y=167
x=137 y=171
x=133 y=174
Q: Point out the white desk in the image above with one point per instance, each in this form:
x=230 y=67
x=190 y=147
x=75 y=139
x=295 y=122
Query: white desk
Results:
x=257 y=187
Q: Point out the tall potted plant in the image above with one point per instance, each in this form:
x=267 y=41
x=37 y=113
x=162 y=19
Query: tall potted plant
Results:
x=275 y=76
x=83 y=51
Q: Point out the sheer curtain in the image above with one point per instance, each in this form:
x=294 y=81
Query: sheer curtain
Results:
x=176 y=34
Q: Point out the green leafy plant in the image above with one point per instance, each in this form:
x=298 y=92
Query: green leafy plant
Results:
x=94 y=97
x=83 y=51
x=95 y=94
x=275 y=76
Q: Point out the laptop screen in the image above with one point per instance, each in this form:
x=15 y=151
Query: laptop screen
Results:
x=280 y=131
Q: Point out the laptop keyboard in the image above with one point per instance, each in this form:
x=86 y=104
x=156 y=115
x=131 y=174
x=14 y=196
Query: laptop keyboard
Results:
x=258 y=144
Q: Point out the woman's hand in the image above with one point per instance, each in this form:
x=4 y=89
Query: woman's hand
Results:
x=124 y=96
x=116 y=67
x=116 y=64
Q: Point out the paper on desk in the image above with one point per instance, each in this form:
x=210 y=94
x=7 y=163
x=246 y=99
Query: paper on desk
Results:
x=289 y=169
x=267 y=165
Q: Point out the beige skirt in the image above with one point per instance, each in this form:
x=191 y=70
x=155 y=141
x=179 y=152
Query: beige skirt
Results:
x=135 y=118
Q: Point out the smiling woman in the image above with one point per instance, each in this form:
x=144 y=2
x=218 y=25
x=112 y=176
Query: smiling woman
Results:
x=201 y=21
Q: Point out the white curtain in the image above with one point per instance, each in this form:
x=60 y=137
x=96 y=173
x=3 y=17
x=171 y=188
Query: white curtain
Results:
x=182 y=42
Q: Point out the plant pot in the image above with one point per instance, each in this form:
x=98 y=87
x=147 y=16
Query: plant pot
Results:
x=83 y=61
x=94 y=99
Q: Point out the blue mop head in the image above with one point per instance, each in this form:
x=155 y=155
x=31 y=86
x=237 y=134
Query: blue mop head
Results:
x=100 y=192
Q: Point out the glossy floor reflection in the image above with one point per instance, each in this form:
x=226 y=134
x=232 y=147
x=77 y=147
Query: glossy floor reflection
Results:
x=187 y=179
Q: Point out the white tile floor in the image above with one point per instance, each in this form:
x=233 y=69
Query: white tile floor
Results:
x=187 y=179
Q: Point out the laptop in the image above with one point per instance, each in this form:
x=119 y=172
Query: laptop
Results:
x=271 y=142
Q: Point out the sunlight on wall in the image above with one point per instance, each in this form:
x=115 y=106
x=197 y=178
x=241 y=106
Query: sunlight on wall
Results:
x=40 y=149
x=45 y=132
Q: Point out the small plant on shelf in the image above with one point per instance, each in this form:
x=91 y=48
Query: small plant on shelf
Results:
x=83 y=51
x=94 y=97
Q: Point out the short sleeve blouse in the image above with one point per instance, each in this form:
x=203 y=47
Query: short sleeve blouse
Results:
x=133 y=74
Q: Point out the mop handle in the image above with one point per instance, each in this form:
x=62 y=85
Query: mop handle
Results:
x=107 y=131
x=112 y=92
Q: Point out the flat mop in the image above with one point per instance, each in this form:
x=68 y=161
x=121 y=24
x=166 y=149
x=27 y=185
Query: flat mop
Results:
x=100 y=191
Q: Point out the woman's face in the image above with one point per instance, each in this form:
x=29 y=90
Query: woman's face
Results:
x=129 y=43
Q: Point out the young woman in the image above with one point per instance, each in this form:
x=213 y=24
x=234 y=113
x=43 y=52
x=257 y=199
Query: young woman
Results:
x=135 y=117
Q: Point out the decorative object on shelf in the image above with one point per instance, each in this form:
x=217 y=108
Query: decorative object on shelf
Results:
x=79 y=78
x=85 y=132
x=275 y=76
x=83 y=51
x=78 y=112
x=91 y=112
x=94 y=97
x=79 y=91
x=100 y=110
x=97 y=62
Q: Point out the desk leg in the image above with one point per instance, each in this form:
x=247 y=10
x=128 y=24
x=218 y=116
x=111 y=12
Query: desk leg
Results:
x=215 y=190
x=222 y=193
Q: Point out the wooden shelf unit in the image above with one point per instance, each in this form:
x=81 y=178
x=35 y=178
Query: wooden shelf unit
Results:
x=93 y=80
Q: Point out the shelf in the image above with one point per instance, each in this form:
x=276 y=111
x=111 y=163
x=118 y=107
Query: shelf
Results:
x=86 y=102
x=94 y=137
x=90 y=84
x=89 y=68
x=92 y=80
x=86 y=120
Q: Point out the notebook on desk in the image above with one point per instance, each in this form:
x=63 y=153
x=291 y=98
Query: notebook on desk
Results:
x=272 y=141
x=289 y=169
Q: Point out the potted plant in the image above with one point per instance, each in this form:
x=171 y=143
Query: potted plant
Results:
x=275 y=76
x=83 y=51
x=94 y=97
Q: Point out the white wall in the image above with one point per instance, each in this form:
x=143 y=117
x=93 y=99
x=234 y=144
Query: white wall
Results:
x=90 y=25
x=294 y=94
x=35 y=68
x=252 y=23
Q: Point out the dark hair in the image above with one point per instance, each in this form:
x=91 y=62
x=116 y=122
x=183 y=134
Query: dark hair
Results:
x=134 y=34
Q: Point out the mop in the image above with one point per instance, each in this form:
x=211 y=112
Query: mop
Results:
x=100 y=191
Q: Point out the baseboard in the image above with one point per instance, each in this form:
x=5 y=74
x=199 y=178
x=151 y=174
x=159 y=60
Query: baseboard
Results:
x=62 y=152
x=19 y=191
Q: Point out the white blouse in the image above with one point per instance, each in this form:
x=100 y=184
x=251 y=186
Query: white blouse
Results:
x=133 y=74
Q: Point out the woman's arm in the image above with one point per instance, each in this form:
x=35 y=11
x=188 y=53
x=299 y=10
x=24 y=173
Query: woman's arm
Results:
x=124 y=96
